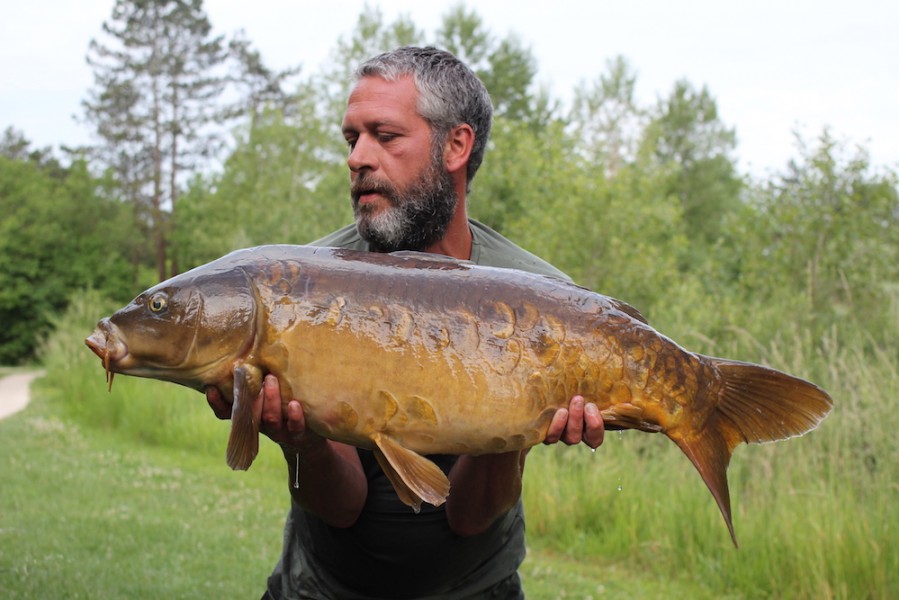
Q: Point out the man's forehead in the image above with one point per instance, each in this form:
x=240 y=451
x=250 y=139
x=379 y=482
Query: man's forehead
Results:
x=372 y=86
x=376 y=101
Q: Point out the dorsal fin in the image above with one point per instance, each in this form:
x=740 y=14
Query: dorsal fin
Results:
x=629 y=310
x=429 y=257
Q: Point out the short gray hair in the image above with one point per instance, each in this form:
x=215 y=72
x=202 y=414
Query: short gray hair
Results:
x=449 y=93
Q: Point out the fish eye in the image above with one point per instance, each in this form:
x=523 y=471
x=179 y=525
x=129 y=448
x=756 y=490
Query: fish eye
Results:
x=157 y=303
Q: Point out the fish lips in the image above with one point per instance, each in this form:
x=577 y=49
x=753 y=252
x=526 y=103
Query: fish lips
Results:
x=107 y=344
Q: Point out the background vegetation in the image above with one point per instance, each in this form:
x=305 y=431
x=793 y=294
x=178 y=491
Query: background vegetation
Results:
x=799 y=270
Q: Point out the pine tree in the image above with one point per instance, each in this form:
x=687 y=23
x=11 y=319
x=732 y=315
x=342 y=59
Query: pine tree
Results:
x=153 y=100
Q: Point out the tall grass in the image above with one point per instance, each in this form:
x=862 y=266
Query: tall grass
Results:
x=816 y=517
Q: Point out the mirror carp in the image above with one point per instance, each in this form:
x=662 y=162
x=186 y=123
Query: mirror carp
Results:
x=410 y=354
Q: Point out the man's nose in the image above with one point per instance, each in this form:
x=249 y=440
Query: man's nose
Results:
x=362 y=155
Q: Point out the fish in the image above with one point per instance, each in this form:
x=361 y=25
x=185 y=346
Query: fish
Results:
x=410 y=354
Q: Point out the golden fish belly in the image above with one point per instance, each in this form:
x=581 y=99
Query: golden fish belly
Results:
x=481 y=377
x=431 y=403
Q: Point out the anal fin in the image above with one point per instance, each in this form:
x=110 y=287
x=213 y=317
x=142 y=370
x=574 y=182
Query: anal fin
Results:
x=627 y=416
x=414 y=477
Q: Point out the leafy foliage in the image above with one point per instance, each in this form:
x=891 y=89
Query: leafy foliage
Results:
x=828 y=227
x=59 y=233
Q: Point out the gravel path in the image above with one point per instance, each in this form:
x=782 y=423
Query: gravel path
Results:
x=14 y=392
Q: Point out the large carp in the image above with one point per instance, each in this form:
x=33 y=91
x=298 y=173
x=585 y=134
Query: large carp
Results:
x=411 y=354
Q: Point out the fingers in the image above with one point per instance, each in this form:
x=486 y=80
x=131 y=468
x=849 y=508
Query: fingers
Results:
x=594 y=427
x=219 y=405
x=580 y=422
x=296 y=422
x=574 y=429
x=285 y=425
x=556 y=426
x=269 y=401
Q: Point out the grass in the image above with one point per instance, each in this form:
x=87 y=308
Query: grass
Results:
x=89 y=514
x=135 y=480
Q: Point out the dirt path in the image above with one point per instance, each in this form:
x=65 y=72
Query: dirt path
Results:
x=14 y=392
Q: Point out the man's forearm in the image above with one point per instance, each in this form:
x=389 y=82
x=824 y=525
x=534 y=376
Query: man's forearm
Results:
x=482 y=488
x=327 y=479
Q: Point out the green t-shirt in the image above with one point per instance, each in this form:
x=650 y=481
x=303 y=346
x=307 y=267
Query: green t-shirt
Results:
x=487 y=248
x=392 y=552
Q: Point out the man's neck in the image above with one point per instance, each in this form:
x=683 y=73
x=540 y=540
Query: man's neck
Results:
x=458 y=239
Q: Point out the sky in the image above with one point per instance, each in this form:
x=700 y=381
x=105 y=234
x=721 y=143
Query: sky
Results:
x=775 y=67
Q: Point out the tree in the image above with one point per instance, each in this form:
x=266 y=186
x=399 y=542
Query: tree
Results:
x=370 y=37
x=605 y=117
x=829 y=236
x=58 y=234
x=525 y=172
x=277 y=186
x=153 y=99
x=15 y=146
x=263 y=88
x=687 y=138
x=506 y=66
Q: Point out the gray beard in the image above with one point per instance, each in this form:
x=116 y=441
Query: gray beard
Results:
x=416 y=217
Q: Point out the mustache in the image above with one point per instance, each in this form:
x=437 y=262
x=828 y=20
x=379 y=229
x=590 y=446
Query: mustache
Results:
x=368 y=184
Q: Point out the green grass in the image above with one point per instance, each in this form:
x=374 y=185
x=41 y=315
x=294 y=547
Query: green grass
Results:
x=90 y=514
x=126 y=494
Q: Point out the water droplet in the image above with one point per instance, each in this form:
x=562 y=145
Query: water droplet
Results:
x=619 y=487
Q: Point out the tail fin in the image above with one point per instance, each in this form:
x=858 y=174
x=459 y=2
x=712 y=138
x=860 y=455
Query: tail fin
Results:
x=755 y=404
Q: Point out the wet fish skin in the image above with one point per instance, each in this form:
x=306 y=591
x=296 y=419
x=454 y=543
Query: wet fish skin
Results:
x=412 y=354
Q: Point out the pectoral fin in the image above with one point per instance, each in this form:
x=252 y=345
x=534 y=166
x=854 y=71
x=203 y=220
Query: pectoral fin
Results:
x=414 y=477
x=243 y=444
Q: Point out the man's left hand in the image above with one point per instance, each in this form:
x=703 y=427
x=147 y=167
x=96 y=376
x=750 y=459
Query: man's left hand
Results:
x=580 y=422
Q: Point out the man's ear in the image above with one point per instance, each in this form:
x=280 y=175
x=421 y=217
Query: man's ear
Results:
x=457 y=148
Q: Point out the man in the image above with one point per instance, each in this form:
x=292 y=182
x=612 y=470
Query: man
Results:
x=416 y=125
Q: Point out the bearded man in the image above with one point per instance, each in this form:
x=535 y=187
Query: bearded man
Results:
x=416 y=126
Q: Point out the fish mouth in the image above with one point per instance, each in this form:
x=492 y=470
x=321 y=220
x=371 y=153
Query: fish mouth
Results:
x=105 y=343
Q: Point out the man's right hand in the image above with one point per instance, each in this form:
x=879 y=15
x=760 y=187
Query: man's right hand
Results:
x=217 y=403
x=331 y=483
x=283 y=425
